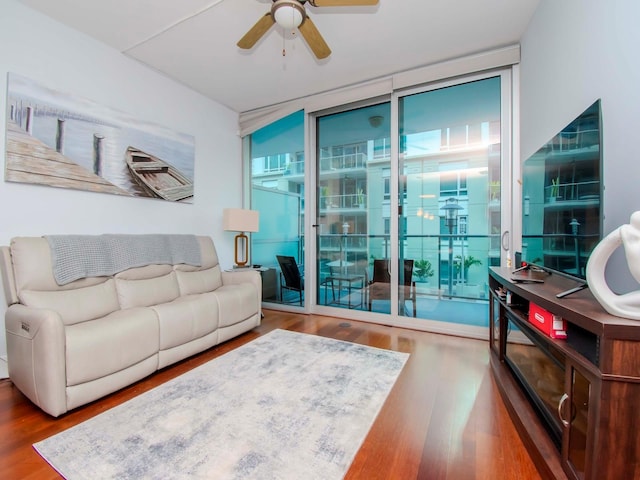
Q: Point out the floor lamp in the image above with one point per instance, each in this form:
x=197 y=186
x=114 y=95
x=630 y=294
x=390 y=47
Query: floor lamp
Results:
x=240 y=220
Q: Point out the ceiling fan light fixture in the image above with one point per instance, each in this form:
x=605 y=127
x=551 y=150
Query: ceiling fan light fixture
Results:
x=376 y=120
x=289 y=14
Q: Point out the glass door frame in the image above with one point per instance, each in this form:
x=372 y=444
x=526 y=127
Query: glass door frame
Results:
x=312 y=302
x=508 y=216
x=509 y=139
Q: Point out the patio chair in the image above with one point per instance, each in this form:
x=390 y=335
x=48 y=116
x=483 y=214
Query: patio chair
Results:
x=290 y=276
x=380 y=285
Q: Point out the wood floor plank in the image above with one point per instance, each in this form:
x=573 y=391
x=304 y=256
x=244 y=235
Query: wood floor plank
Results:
x=444 y=418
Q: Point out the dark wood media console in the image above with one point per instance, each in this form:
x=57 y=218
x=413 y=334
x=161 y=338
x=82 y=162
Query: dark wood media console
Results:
x=575 y=402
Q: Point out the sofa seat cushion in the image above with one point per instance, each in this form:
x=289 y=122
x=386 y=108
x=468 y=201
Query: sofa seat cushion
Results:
x=236 y=303
x=145 y=292
x=100 y=347
x=76 y=305
x=186 y=319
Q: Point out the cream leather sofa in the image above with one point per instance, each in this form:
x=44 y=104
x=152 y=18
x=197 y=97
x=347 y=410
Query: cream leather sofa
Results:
x=70 y=344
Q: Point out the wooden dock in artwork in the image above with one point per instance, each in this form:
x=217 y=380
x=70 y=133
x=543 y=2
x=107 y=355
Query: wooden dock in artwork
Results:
x=28 y=160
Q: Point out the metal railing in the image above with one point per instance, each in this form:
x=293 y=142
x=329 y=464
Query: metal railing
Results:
x=343 y=162
x=347 y=201
x=354 y=253
x=586 y=191
x=357 y=251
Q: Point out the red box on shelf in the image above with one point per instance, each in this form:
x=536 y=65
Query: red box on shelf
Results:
x=553 y=325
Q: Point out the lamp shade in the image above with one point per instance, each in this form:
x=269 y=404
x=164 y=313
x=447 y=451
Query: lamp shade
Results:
x=451 y=208
x=240 y=220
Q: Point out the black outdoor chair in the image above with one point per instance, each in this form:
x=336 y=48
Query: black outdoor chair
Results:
x=380 y=285
x=290 y=276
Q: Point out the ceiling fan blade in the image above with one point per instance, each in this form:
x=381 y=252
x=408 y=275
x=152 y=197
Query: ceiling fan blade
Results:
x=315 y=41
x=256 y=32
x=342 y=3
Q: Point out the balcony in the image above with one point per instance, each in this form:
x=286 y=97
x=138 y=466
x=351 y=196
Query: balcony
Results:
x=342 y=163
x=580 y=193
x=351 y=203
x=357 y=250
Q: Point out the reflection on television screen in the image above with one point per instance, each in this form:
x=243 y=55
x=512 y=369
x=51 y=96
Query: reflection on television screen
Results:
x=562 y=192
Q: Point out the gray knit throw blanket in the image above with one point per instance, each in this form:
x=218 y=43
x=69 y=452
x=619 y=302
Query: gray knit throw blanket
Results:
x=80 y=256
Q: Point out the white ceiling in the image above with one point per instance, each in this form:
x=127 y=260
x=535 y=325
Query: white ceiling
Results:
x=194 y=41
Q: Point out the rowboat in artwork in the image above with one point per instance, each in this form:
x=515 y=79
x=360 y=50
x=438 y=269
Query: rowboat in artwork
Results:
x=157 y=177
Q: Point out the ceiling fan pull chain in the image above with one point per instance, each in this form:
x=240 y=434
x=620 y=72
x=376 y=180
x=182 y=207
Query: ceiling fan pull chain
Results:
x=284 y=52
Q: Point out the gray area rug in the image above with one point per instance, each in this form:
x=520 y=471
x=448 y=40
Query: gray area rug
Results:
x=285 y=406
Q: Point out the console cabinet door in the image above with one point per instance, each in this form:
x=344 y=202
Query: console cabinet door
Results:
x=575 y=409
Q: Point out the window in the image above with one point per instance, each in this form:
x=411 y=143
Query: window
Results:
x=381 y=148
x=277 y=181
x=462 y=225
x=453 y=183
x=386 y=187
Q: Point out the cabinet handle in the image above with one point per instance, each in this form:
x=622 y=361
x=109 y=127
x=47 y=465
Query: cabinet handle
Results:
x=560 y=405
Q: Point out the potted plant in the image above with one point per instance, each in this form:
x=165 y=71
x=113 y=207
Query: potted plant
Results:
x=422 y=269
x=360 y=198
x=555 y=189
x=494 y=191
x=469 y=261
x=324 y=192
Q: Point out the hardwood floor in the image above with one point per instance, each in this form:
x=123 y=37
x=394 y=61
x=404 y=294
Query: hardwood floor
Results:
x=444 y=418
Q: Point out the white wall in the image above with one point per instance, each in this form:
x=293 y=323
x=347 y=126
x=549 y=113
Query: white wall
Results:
x=36 y=47
x=574 y=52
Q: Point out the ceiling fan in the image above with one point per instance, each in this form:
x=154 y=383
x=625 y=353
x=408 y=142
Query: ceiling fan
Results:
x=291 y=14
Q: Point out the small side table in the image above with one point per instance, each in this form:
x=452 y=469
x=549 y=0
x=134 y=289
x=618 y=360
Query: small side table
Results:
x=268 y=276
x=269 y=283
x=348 y=282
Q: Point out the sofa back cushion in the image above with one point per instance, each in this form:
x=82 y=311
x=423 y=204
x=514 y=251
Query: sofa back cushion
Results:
x=199 y=281
x=29 y=267
x=32 y=269
x=135 y=291
x=205 y=278
x=77 y=305
x=208 y=254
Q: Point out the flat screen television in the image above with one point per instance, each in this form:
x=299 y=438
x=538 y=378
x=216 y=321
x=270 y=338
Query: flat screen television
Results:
x=562 y=197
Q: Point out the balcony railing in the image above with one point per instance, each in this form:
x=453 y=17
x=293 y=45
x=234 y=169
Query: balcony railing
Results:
x=355 y=253
x=575 y=140
x=348 y=201
x=294 y=168
x=343 y=162
x=358 y=250
x=573 y=191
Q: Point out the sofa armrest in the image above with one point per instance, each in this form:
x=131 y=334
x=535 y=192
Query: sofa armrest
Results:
x=36 y=356
x=245 y=276
x=8 y=281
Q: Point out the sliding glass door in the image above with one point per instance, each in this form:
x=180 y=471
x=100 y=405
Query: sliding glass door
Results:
x=353 y=172
x=449 y=178
x=407 y=195
x=408 y=228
